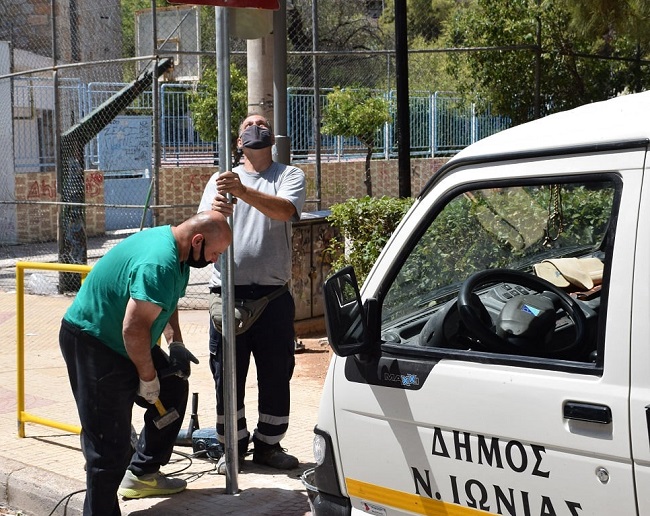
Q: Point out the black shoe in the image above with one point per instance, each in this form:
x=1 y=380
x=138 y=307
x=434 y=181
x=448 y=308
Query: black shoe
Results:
x=274 y=456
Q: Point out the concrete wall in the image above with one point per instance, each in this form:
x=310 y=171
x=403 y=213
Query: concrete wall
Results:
x=340 y=181
x=180 y=190
x=7 y=180
x=39 y=222
x=29 y=23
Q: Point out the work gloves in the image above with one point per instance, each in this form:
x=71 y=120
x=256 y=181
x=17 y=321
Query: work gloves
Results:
x=180 y=358
x=149 y=390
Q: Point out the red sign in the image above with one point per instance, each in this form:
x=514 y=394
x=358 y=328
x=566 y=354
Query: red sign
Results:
x=273 y=5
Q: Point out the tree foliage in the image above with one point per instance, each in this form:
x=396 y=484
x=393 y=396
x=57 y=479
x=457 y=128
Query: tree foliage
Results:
x=204 y=103
x=425 y=19
x=619 y=28
x=573 y=68
x=356 y=113
x=342 y=25
x=364 y=225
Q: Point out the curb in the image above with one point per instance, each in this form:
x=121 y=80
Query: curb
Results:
x=37 y=492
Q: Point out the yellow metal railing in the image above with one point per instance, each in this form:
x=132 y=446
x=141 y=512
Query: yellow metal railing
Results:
x=23 y=415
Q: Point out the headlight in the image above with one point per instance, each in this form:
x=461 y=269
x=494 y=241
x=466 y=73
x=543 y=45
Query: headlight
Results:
x=319 y=448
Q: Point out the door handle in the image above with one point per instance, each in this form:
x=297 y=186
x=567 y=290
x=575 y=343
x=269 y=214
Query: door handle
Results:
x=590 y=412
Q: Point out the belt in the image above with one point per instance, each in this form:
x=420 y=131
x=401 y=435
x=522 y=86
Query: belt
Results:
x=255 y=291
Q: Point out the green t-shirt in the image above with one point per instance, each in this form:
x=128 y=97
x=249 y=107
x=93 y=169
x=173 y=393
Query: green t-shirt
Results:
x=144 y=266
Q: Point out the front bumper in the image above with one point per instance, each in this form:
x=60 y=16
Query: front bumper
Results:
x=323 y=504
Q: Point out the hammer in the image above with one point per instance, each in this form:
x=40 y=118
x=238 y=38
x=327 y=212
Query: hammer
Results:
x=166 y=416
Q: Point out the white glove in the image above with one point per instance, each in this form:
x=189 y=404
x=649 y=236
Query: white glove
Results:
x=149 y=390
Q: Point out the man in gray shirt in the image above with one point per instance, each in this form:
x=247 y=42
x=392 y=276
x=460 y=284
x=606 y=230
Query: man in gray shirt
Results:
x=266 y=197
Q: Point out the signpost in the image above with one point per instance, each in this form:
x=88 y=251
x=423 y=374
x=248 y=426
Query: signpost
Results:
x=227 y=273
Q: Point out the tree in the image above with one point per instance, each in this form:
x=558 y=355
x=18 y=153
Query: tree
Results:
x=342 y=25
x=204 y=104
x=606 y=21
x=364 y=225
x=425 y=19
x=356 y=113
x=574 y=70
x=425 y=22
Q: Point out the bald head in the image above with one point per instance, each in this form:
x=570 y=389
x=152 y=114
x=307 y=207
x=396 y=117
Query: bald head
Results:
x=207 y=232
x=210 y=222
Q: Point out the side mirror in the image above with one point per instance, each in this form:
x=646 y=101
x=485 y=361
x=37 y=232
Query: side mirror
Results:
x=345 y=319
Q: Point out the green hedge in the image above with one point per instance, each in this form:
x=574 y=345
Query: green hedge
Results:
x=364 y=228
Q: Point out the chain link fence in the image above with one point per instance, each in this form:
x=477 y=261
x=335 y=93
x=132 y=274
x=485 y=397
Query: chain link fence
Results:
x=97 y=139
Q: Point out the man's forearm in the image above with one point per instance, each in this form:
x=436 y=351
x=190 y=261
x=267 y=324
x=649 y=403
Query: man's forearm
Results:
x=273 y=207
x=139 y=351
x=172 y=331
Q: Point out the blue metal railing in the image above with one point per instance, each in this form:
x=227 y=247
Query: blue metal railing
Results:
x=440 y=125
x=33 y=101
x=181 y=144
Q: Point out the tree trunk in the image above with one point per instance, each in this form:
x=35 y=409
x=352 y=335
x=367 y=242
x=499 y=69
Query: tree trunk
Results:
x=368 y=181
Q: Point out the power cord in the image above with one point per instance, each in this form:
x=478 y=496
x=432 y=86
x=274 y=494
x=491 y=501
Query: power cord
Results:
x=66 y=499
x=184 y=456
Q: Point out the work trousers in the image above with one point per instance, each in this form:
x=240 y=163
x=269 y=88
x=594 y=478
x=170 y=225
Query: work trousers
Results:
x=271 y=342
x=105 y=384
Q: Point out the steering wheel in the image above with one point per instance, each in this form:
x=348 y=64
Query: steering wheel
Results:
x=527 y=322
x=444 y=329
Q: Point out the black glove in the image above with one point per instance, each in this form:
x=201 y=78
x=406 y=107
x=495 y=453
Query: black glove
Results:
x=180 y=358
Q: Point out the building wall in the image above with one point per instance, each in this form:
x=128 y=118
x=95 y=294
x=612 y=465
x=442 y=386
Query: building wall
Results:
x=39 y=222
x=179 y=193
x=180 y=190
x=7 y=175
x=340 y=181
x=28 y=25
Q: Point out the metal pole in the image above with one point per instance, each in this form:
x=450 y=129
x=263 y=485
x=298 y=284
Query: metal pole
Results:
x=57 y=123
x=282 y=141
x=402 y=83
x=73 y=244
x=538 y=64
x=155 y=99
x=432 y=121
x=227 y=259
x=316 y=124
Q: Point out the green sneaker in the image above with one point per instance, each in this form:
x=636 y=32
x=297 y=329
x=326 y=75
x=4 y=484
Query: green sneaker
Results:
x=152 y=484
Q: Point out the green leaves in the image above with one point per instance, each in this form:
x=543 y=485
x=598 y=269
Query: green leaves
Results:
x=204 y=103
x=357 y=113
x=365 y=226
x=575 y=42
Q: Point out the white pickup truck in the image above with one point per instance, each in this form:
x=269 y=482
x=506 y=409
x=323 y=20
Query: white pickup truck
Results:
x=497 y=358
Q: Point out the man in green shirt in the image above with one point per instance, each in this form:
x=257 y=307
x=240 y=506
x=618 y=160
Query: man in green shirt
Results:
x=109 y=340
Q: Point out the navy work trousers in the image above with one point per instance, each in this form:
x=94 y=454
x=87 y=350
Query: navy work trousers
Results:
x=271 y=342
x=105 y=386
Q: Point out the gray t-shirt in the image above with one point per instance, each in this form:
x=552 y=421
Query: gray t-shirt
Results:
x=261 y=246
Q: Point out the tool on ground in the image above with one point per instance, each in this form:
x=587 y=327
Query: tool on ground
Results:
x=204 y=442
x=166 y=416
x=185 y=436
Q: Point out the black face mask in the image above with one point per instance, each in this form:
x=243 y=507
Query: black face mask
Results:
x=201 y=262
x=256 y=137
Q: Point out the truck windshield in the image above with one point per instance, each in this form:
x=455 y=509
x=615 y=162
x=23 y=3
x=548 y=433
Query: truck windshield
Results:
x=511 y=227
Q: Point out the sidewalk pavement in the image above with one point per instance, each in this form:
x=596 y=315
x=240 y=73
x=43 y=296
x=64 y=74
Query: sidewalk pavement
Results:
x=42 y=469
